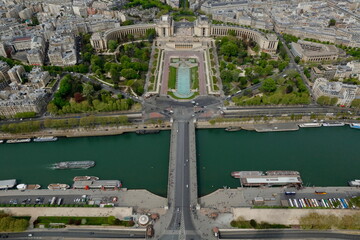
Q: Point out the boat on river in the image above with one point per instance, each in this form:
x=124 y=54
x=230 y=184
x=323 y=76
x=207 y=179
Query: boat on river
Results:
x=354 y=183
x=85 y=178
x=24 y=140
x=74 y=165
x=142 y=132
x=45 y=139
x=23 y=187
x=335 y=124
x=308 y=125
x=232 y=129
x=58 y=186
x=355 y=125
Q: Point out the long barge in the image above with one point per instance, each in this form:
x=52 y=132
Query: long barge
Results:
x=45 y=139
x=308 y=125
x=335 y=124
x=141 y=132
x=24 y=140
x=270 y=178
x=7 y=184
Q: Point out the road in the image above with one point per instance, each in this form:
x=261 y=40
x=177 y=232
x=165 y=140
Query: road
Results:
x=181 y=225
x=77 y=233
x=285 y=234
x=286 y=110
x=293 y=64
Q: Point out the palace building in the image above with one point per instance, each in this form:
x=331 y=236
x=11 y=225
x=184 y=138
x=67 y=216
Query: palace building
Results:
x=167 y=28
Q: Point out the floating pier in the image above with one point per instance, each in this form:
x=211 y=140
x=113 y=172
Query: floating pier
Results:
x=270 y=178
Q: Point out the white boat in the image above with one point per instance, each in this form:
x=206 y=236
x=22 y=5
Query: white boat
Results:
x=336 y=124
x=355 y=125
x=58 y=186
x=85 y=178
x=45 y=139
x=306 y=125
x=1 y=141
x=355 y=183
x=24 y=140
x=21 y=187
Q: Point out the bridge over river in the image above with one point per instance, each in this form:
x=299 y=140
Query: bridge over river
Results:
x=178 y=223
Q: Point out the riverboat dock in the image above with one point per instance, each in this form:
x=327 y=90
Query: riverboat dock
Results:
x=270 y=178
x=99 y=184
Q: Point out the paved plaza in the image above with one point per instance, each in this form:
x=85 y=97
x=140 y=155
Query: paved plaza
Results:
x=199 y=55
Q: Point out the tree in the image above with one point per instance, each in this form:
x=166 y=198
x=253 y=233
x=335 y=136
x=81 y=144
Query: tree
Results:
x=289 y=89
x=229 y=49
x=324 y=100
x=297 y=59
x=150 y=35
x=226 y=76
x=355 y=103
x=334 y=101
x=253 y=223
x=78 y=97
x=269 y=85
x=332 y=22
x=129 y=73
x=52 y=108
x=88 y=89
x=112 y=45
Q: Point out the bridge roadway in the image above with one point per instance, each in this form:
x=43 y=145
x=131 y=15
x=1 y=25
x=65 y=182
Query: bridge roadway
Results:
x=182 y=184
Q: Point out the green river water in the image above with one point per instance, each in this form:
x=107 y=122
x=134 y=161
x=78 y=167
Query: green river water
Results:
x=323 y=156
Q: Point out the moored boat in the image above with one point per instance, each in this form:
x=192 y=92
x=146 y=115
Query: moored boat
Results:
x=85 y=178
x=21 y=186
x=236 y=174
x=232 y=129
x=45 y=139
x=335 y=124
x=58 y=186
x=24 y=140
x=1 y=141
x=7 y=184
x=33 y=186
x=306 y=125
x=74 y=165
x=141 y=132
x=354 y=183
x=355 y=125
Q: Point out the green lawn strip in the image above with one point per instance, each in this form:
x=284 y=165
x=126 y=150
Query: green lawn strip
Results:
x=240 y=223
x=172 y=77
x=195 y=77
x=27 y=218
x=80 y=220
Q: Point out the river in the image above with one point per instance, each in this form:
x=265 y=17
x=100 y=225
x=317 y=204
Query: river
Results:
x=323 y=156
x=326 y=156
x=139 y=161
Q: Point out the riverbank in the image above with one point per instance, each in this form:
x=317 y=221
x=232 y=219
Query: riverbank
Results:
x=88 y=132
x=258 y=126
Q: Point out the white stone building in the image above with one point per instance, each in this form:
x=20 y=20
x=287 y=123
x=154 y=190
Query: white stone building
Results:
x=345 y=93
